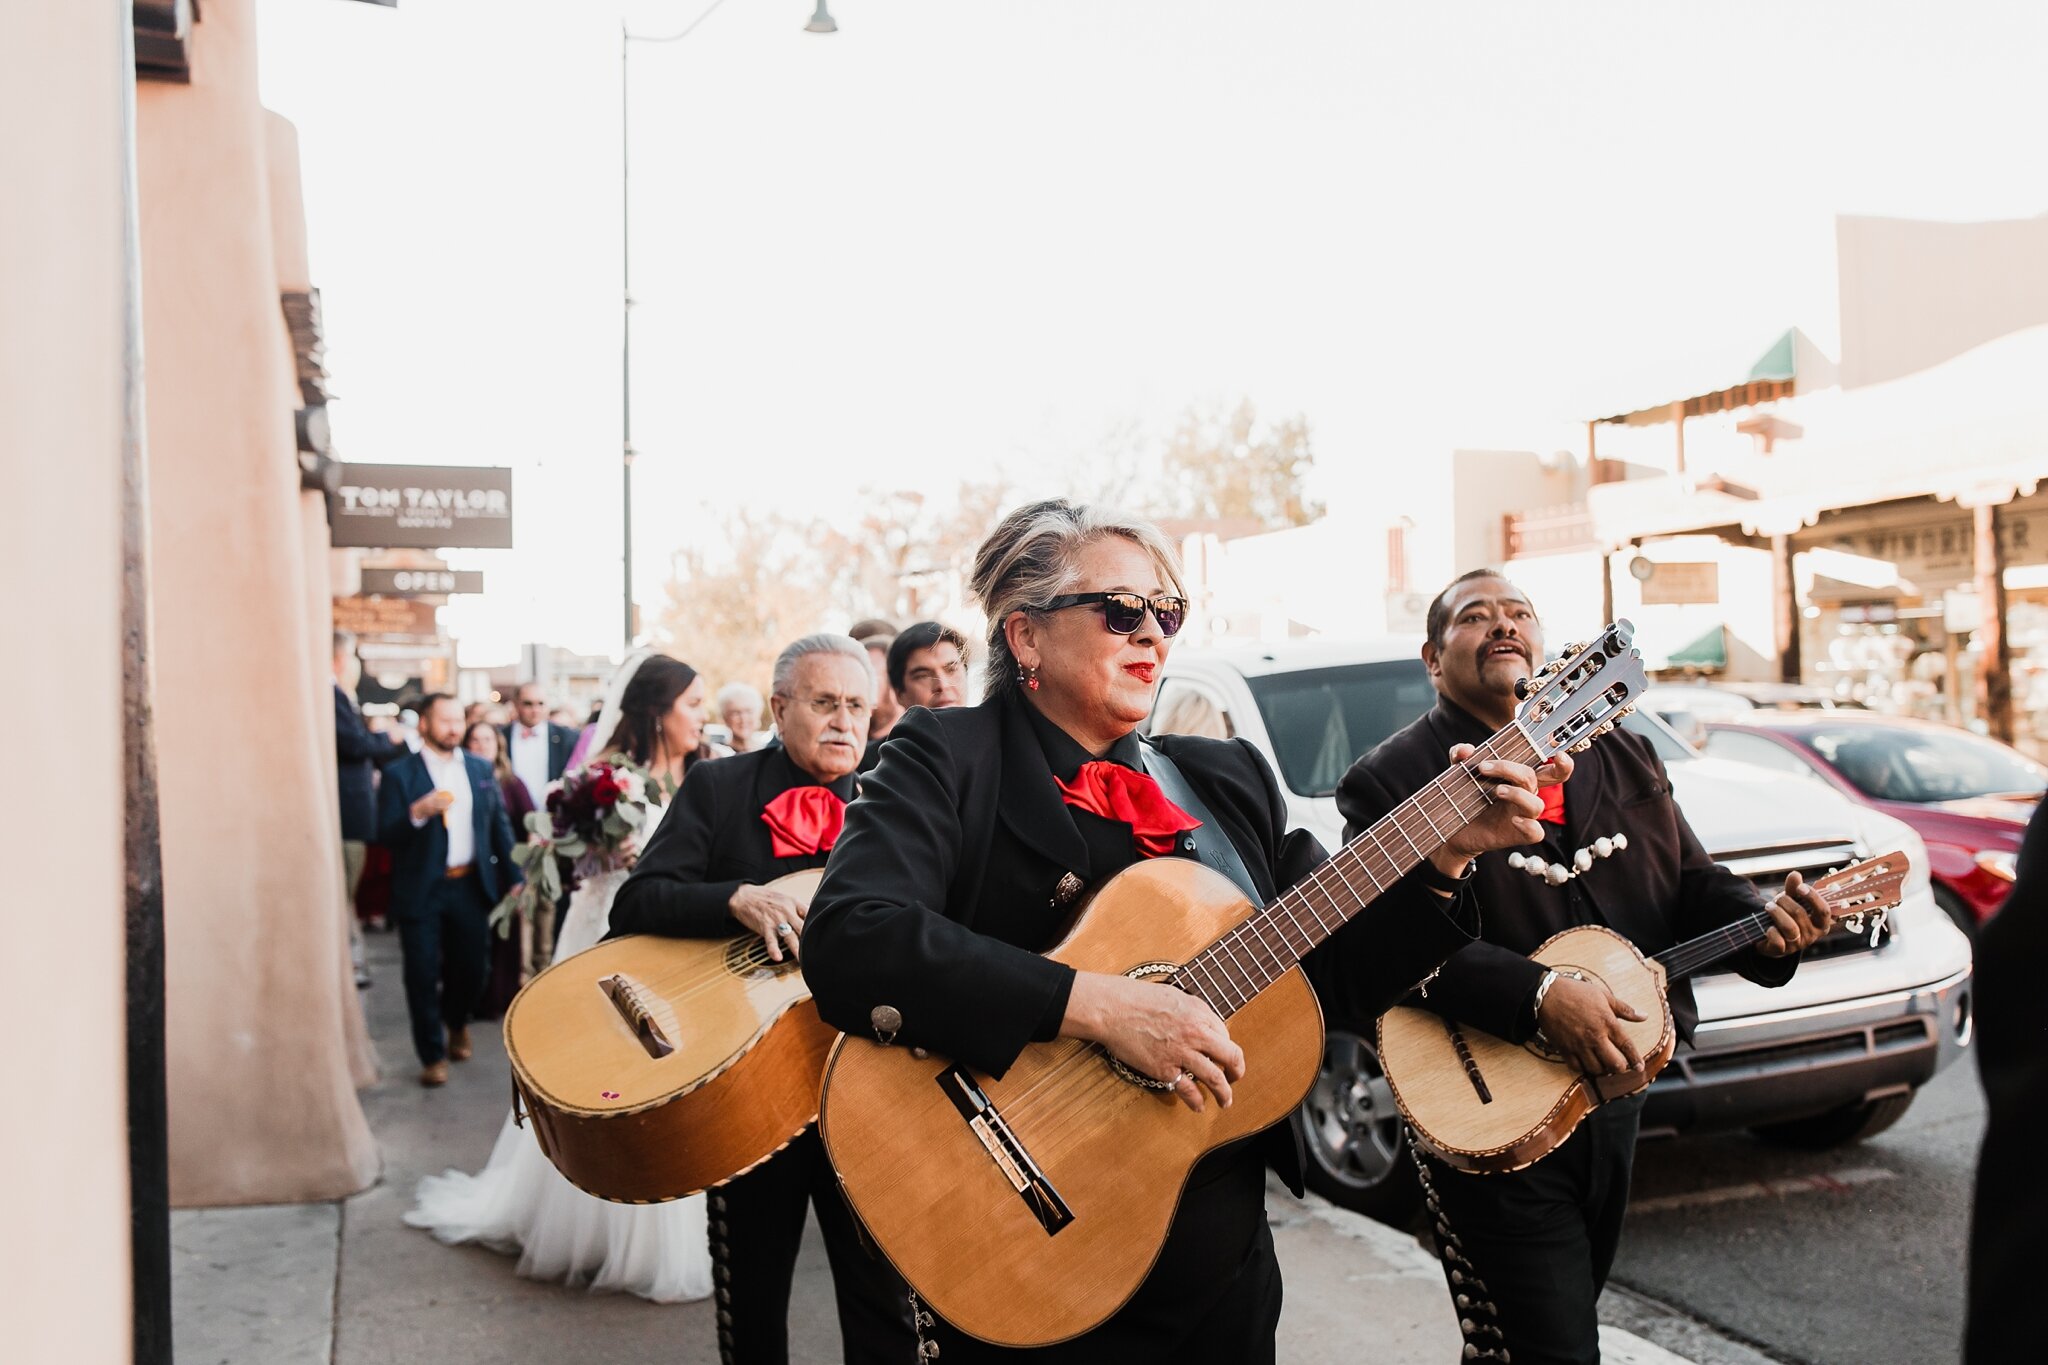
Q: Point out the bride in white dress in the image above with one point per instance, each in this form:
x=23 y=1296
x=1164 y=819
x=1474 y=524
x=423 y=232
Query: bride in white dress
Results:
x=519 y=1203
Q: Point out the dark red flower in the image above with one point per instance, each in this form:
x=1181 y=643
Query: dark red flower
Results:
x=604 y=791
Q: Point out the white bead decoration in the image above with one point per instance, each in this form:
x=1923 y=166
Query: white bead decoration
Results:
x=1557 y=874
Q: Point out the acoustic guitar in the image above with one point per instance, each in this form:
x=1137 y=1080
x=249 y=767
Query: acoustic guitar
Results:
x=1028 y=1209
x=1480 y=1103
x=652 y=1068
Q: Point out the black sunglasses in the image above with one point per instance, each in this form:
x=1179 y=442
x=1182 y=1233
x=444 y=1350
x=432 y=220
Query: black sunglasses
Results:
x=1124 y=612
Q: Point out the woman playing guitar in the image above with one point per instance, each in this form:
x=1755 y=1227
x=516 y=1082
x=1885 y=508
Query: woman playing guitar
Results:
x=981 y=827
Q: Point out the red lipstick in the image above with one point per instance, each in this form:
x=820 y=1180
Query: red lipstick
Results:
x=1142 y=672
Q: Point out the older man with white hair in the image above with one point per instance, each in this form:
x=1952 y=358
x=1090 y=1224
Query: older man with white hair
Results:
x=737 y=825
x=739 y=707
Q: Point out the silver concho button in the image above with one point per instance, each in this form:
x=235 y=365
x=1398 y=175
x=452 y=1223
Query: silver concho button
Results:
x=887 y=1020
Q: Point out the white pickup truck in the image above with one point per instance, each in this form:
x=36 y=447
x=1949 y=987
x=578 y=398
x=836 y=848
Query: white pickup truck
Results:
x=1832 y=1057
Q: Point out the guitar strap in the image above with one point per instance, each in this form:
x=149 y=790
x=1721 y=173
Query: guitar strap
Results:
x=1212 y=845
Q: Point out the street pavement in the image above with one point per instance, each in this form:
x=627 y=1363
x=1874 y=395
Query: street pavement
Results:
x=348 y=1284
x=1852 y=1255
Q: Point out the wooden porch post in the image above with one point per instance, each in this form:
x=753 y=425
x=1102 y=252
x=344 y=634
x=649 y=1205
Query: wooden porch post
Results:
x=1785 y=609
x=1994 y=653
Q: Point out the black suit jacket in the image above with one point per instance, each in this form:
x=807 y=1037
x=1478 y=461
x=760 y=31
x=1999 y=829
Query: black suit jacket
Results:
x=561 y=743
x=2012 y=1061
x=961 y=826
x=1662 y=890
x=358 y=753
x=419 y=857
x=711 y=842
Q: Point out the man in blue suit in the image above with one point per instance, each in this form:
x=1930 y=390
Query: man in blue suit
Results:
x=440 y=814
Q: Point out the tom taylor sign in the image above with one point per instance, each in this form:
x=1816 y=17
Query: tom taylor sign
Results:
x=430 y=507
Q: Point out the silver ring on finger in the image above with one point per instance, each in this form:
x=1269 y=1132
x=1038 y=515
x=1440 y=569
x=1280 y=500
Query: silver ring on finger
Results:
x=784 y=929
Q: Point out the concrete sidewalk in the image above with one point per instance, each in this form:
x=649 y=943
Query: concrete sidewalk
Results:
x=348 y=1284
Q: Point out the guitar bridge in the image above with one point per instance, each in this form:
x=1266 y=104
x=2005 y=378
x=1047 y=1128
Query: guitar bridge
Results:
x=1004 y=1148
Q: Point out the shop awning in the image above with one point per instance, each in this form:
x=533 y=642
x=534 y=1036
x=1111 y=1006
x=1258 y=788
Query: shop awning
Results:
x=1790 y=365
x=1710 y=651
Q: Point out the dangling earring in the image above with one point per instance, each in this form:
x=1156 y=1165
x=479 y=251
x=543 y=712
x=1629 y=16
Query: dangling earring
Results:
x=1028 y=676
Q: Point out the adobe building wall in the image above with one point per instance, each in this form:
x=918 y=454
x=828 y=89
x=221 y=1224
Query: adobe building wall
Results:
x=65 y=1202
x=263 y=1106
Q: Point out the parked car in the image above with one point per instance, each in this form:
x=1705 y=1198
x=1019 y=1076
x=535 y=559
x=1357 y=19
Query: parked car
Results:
x=1687 y=706
x=1833 y=1056
x=1969 y=797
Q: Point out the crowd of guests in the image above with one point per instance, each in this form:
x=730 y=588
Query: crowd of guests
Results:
x=523 y=745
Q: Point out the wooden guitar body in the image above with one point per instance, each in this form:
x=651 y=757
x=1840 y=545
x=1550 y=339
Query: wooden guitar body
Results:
x=1028 y=1209
x=652 y=1068
x=1480 y=1103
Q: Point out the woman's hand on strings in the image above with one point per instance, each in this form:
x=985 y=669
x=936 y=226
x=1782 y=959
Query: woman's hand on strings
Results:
x=1159 y=1031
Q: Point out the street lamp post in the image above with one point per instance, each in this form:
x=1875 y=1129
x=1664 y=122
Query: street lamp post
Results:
x=821 y=22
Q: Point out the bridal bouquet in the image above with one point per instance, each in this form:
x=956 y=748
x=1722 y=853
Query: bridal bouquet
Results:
x=592 y=820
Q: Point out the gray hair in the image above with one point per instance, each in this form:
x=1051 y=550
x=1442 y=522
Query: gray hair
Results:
x=739 y=694
x=824 y=642
x=1030 y=558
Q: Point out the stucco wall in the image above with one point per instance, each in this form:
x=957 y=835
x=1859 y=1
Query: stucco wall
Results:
x=64 y=1202
x=262 y=1101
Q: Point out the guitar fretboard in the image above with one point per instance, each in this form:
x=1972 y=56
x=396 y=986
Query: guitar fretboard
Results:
x=1236 y=967
x=1867 y=888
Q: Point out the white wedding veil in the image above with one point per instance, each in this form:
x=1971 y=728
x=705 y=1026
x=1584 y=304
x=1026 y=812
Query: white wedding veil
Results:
x=608 y=714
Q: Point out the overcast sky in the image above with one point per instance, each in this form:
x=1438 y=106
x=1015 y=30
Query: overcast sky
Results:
x=961 y=235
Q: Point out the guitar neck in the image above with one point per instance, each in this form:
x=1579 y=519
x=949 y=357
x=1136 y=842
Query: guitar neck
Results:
x=1271 y=942
x=1709 y=948
x=1857 y=893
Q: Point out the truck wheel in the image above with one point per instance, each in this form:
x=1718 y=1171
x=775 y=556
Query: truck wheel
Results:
x=1838 y=1127
x=1357 y=1156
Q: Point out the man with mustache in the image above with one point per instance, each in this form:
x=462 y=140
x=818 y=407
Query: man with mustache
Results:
x=1529 y=1251
x=736 y=825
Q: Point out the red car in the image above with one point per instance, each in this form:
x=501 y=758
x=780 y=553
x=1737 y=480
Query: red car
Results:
x=1967 y=796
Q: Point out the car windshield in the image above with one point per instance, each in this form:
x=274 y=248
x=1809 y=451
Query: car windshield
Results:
x=1919 y=766
x=1322 y=719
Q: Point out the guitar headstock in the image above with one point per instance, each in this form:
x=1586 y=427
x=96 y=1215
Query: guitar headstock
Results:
x=1860 y=896
x=1582 y=694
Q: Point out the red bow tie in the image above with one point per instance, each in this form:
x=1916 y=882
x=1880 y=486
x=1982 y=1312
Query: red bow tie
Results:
x=527 y=732
x=1114 y=792
x=803 y=821
x=1553 y=804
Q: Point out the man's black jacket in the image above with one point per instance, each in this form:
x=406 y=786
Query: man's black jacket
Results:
x=710 y=842
x=1662 y=890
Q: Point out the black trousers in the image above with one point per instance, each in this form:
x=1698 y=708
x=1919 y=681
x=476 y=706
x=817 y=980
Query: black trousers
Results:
x=1540 y=1241
x=757 y=1222
x=447 y=961
x=1212 y=1298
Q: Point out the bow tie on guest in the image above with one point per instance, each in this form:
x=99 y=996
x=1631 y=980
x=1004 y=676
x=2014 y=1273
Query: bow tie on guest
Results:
x=528 y=732
x=1115 y=792
x=803 y=821
x=1553 y=804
